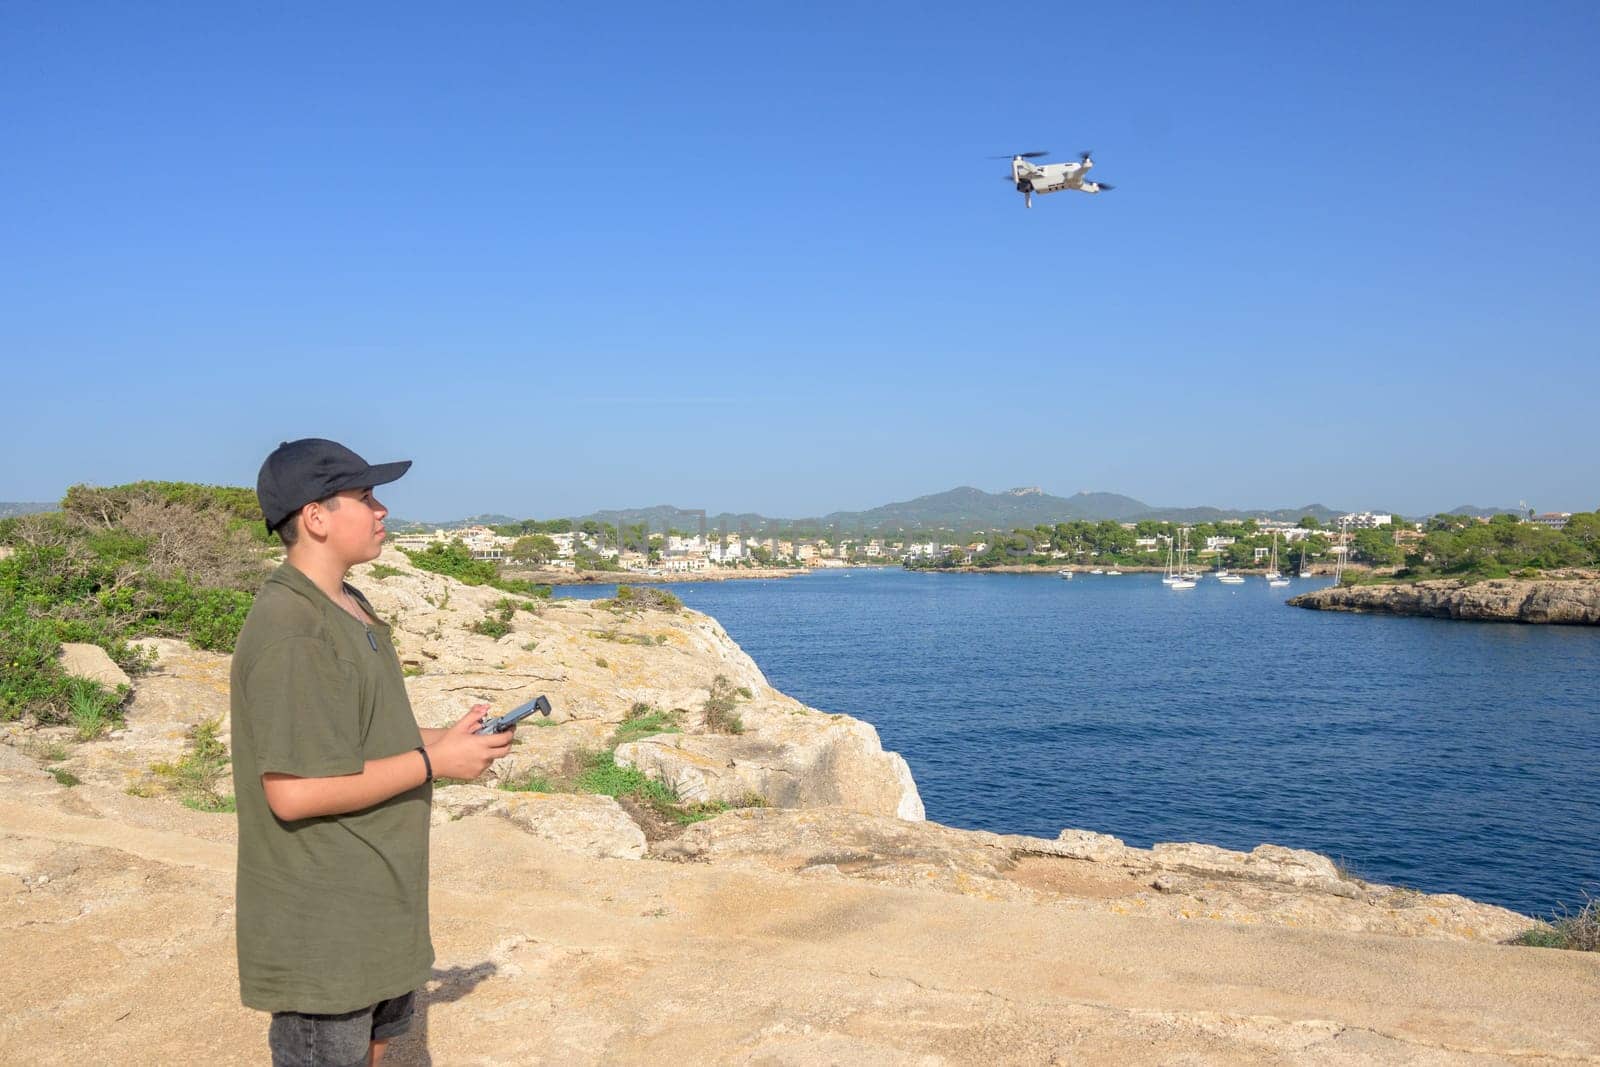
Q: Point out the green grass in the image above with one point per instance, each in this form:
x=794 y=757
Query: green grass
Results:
x=91 y=708
x=198 y=775
x=65 y=777
x=531 y=782
x=645 y=724
x=602 y=776
x=380 y=571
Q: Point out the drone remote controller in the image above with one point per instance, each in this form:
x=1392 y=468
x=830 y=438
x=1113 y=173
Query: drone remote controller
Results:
x=502 y=723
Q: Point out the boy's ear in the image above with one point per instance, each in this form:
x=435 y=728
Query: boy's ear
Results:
x=314 y=519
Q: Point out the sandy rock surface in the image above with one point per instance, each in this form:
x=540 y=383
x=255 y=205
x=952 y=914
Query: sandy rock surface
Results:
x=122 y=908
x=1574 y=602
x=831 y=926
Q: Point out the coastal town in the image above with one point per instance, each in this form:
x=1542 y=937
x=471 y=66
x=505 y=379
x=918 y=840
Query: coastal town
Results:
x=563 y=546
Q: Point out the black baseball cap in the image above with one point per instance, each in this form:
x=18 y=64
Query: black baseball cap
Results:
x=311 y=468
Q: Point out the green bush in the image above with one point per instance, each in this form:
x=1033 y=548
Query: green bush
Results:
x=454 y=560
x=497 y=623
x=149 y=559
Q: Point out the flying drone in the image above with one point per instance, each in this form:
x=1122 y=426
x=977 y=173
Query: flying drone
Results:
x=1041 y=178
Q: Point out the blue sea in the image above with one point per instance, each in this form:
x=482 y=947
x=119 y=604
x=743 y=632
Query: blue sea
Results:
x=1445 y=756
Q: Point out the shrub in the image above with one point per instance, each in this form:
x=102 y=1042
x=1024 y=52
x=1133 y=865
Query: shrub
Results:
x=152 y=558
x=522 y=587
x=380 y=571
x=66 y=778
x=642 y=598
x=454 y=560
x=497 y=623
x=720 y=702
x=1578 y=931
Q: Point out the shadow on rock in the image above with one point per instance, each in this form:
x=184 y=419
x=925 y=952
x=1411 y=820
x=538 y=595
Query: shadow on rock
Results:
x=447 y=985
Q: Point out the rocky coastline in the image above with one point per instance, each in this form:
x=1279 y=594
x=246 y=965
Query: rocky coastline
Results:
x=1572 y=602
x=819 y=918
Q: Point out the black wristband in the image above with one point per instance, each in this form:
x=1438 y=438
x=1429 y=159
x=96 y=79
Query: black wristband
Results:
x=427 y=764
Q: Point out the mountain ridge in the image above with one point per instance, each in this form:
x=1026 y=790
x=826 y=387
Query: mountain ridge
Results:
x=963 y=508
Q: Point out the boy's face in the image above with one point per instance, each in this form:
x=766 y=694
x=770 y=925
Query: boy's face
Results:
x=355 y=526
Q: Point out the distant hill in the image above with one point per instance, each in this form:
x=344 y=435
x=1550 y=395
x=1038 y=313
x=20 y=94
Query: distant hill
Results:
x=475 y=520
x=1482 y=513
x=967 y=508
x=11 y=509
x=961 y=509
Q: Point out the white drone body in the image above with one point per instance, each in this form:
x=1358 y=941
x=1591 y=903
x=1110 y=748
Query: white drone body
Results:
x=1042 y=178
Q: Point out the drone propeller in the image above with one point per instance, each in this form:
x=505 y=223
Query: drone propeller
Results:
x=1084 y=155
x=1102 y=186
x=1022 y=155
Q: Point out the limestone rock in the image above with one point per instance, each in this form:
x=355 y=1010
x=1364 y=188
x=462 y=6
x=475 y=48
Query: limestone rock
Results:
x=452 y=802
x=1266 y=862
x=787 y=757
x=92 y=662
x=1564 y=601
x=591 y=825
x=596 y=664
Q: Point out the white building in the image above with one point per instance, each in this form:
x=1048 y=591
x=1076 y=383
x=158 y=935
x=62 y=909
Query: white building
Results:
x=1365 y=520
x=1556 y=520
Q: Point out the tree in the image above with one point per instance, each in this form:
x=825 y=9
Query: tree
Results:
x=1376 y=546
x=1309 y=522
x=535 y=548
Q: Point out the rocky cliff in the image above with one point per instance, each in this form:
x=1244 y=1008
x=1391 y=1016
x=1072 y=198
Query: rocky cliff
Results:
x=1573 y=602
x=819 y=920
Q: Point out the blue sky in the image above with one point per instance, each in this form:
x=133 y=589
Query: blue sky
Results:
x=753 y=257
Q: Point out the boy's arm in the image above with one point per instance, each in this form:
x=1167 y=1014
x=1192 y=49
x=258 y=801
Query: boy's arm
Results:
x=454 y=753
x=292 y=798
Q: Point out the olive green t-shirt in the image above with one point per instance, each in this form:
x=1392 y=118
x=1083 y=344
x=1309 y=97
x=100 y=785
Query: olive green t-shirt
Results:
x=332 y=910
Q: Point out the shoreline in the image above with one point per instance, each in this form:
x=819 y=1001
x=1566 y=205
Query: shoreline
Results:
x=635 y=578
x=1080 y=568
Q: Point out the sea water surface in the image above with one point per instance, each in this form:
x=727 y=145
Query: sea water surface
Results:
x=1447 y=756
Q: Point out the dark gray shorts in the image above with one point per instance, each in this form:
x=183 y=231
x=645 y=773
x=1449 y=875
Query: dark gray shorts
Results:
x=301 y=1040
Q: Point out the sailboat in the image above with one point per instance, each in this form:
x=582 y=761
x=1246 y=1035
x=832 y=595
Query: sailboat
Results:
x=1169 y=574
x=1180 y=577
x=1303 y=572
x=1273 y=577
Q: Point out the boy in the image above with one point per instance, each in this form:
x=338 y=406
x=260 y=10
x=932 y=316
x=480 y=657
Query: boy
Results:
x=332 y=776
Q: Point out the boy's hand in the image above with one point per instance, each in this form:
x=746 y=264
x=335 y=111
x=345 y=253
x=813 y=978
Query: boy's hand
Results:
x=460 y=753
